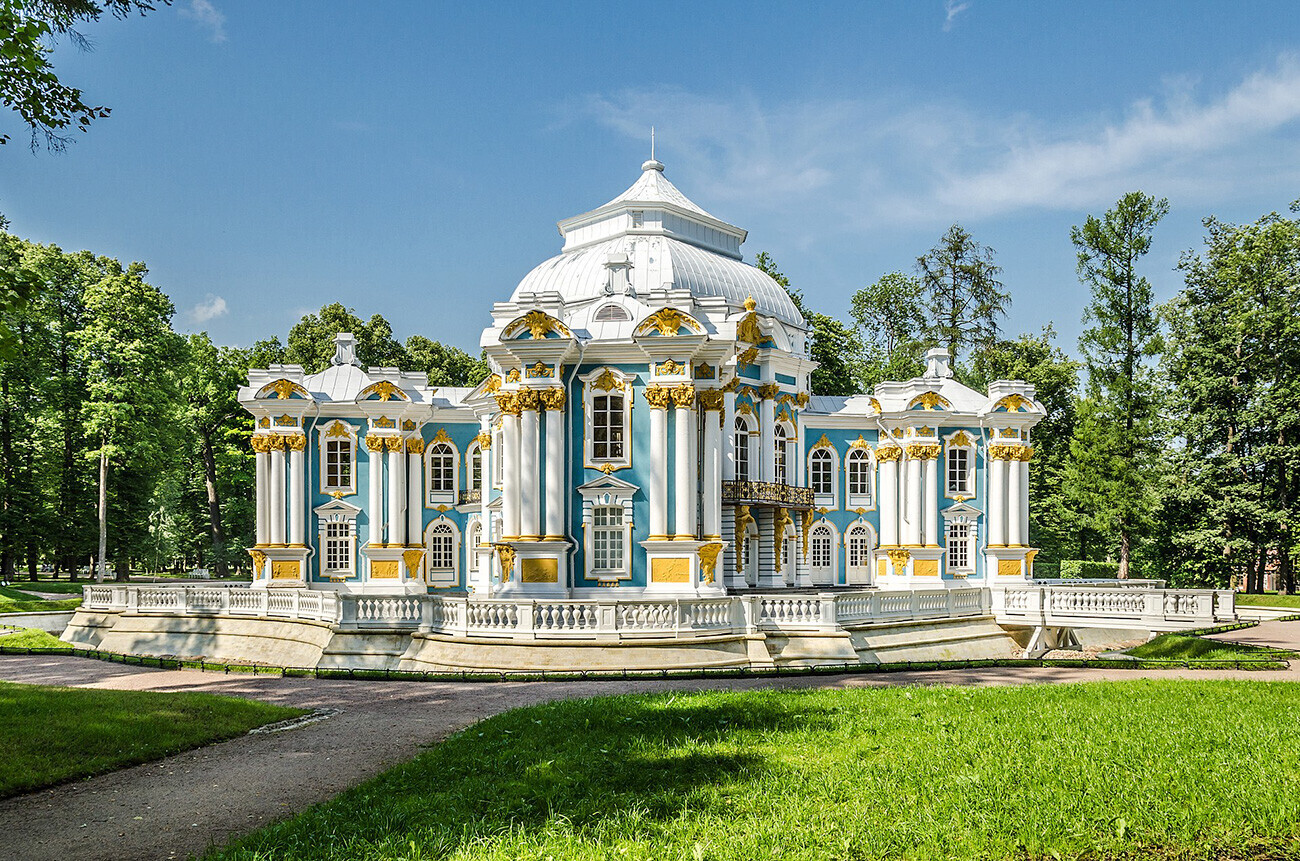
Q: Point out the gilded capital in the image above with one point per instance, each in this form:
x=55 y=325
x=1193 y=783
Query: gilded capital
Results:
x=484 y=440
x=508 y=403
x=769 y=391
x=415 y=445
x=527 y=399
x=295 y=441
x=259 y=443
x=710 y=399
x=888 y=453
x=274 y=442
x=683 y=395
x=658 y=397
x=552 y=399
x=923 y=451
x=374 y=443
x=395 y=443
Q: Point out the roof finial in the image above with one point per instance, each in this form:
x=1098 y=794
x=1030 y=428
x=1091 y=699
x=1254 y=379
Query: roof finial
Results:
x=652 y=143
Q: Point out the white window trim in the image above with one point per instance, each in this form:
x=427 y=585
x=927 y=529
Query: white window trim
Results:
x=444 y=577
x=791 y=462
x=855 y=500
x=970 y=466
x=962 y=513
x=589 y=395
x=751 y=445
x=834 y=535
x=337 y=512
x=831 y=500
x=872 y=545
x=432 y=498
x=468 y=484
x=609 y=493
x=473 y=535
x=321 y=439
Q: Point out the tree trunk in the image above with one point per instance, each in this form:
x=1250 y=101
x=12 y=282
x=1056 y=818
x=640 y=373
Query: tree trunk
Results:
x=214 y=508
x=32 y=557
x=103 y=511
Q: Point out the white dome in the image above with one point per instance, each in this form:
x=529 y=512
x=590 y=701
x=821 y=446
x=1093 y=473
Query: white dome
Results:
x=652 y=237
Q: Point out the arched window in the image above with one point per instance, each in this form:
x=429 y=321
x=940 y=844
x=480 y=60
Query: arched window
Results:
x=820 y=472
x=742 y=449
x=441 y=550
x=471 y=546
x=779 y=440
x=607 y=427
x=442 y=470
x=611 y=314
x=858 y=476
x=959 y=466
x=858 y=545
x=819 y=547
x=474 y=470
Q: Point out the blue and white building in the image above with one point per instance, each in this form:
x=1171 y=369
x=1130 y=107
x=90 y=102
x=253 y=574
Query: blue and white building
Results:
x=647 y=428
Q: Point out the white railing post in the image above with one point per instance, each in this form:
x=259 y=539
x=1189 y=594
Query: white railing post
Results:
x=830 y=618
x=527 y=627
x=1225 y=605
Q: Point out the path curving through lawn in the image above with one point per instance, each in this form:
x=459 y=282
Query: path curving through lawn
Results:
x=180 y=806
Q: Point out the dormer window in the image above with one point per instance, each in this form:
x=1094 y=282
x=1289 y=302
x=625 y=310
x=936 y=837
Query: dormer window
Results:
x=612 y=314
x=638 y=218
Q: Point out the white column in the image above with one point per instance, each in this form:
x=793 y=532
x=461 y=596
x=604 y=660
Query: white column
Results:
x=1023 y=466
x=415 y=491
x=529 y=491
x=555 y=527
x=490 y=455
x=1014 y=526
x=657 y=492
x=375 y=498
x=297 y=488
x=997 y=502
x=510 y=475
x=929 y=468
x=396 y=491
x=263 y=493
x=712 y=514
x=684 y=467
x=729 y=437
x=277 y=492
x=766 y=454
x=888 y=502
x=913 y=493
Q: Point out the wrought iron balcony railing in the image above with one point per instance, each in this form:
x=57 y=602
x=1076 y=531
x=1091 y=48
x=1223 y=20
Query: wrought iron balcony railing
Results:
x=470 y=497
x=767 y=493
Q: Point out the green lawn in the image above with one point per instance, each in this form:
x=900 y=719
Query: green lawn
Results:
x=1180 y=647
x=17 y=601
x=51 y=587
x=1114 y=770
x=31 y=638
x=50 y=735
x=1268 y=600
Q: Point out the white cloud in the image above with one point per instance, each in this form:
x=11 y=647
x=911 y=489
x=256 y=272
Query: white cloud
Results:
x=209 y=309
x=209 y=17
x=951 y=9
x=854 y=164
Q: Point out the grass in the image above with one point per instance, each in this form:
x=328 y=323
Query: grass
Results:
x=1270 y=600
x=1115 y=770
x=17 y=601
x=1180 y=647
x=31 y=638
x=51 y=587
x=51 y=735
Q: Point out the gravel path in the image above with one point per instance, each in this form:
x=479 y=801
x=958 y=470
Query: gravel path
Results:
x=181 y=805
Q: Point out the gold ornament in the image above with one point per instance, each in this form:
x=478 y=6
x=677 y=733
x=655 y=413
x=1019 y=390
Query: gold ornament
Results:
x=484 y=440
x=823 y=443
x=748 y=357
x=295 y=441
x=512 y=376
x=710 y=399
x=552 y=399
x=704 y=371
x=441 y=436
x=960 y=439
x=1014 y=404
x=493 y=384
x=899 y=557
x=395 y=443
x=658 y=397
x=415 y=445
x=539 y=324
x=527 y=399
x=541 y=369
x=506 y=554
x=923 y=451
x=508 y=403
x=888 y=453
x=743 y=519
x=669 y=369
x=769 y=391
x=667 y=321
x=607 y=382
x=384 y=389
x=930 y=401
x=374 y=443
x=709 y=559
x=338 y=429
x=683 y=395
x=284 y=388
x=860 y=442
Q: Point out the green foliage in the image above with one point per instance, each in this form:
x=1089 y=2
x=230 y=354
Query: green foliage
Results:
x=1115 y=445
x=963 y=297
x=890 y=314
x=17 y=601
x=50 y=738
x=28 y=85
x=907 y=773
x=1180 y=647
x=30 y=638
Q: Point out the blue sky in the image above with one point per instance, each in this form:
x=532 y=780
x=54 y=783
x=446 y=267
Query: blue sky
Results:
x=411 y=159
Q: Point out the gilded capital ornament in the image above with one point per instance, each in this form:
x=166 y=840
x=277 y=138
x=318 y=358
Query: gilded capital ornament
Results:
x=1010 y=452
x=415 y=445
x=888 y=453
x=683 y=395
x=484 y=440
x=527 y=399
x=658 y=397
x=508 y=403
x=274 y=442
x=552 y=399
x=374 y=443
x=259 y=443
x=394 y=443
x=923 y=451
x=769 y=391
x=710 y=400
x=295 y=441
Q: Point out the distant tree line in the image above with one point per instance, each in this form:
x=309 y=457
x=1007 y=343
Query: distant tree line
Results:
x=121 y=439
x=1173 y=447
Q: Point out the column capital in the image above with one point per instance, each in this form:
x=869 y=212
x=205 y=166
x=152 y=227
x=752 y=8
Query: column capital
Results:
x=394 y=444
x=274 y=442
x=888 y=453
x=769 y=391
x=415 y=445
x=295 y=441
x=552 y=399
x=1001 y=451
x=374 y=443
x=658 y=397
x=508 y=403
x=683 y=395
x=710 y=400
x=484 y=440
x=260 y=443
x=923 y=451
x=528 y=399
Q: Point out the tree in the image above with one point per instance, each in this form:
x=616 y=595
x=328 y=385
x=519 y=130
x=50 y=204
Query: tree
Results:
x=28 y=84
x=311 y=340
x=445 y=365
x=891 y=316
x=835 y=347
x=131 y=354
x=1115 y=444
x=963 y=295
x=1234 y=366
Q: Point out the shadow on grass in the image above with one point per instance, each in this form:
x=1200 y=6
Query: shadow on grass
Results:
x=630 y=764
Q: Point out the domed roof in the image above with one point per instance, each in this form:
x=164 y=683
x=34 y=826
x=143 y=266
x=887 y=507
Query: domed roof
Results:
x=652 y=237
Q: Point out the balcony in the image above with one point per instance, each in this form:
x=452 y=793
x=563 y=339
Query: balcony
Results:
x=767 y=493
x=470 y=497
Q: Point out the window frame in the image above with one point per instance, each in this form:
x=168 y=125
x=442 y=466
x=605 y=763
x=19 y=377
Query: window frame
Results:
x=742 y=428
x=324 y=436
x=864 y=570
x=863 y=456
x=953 y=443
x=827 y=454
x=622 y=388
x=433 y=498
x=611 y=531
x=441 y=577
x=781 y=439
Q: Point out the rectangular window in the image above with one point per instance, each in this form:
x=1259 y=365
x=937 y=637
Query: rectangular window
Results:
x=338 y=547
x=442 y=551
x=338 y=464
x=959 y=471
x=821 y=551
x=476 y=470
x=607 y=427
x=958 y=546
x=607 y=539
x=742 y=454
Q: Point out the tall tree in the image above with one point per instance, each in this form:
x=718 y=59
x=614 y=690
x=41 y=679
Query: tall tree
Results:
x=131 y=354
x=964 y=298
x=834 y=346
x=1115 y=444
x=890 y=314
x=445 y=365
x=311 y=340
